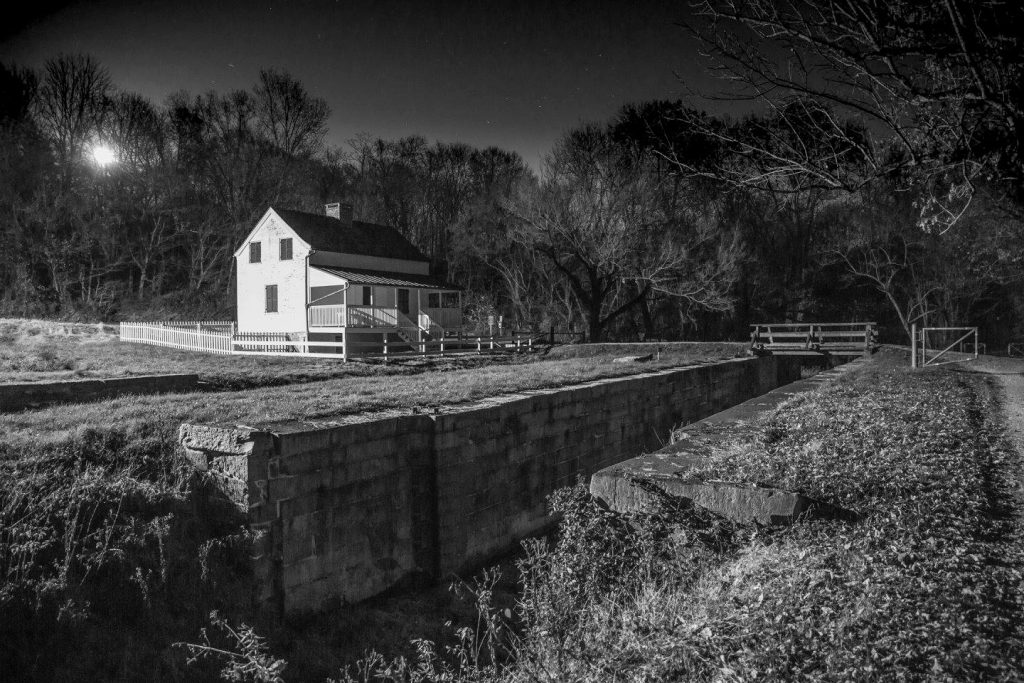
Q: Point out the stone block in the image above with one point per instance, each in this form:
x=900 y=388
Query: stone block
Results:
x=739 y=502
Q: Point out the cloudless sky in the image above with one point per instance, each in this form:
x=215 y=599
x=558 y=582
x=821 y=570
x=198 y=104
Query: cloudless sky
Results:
x=505 y=73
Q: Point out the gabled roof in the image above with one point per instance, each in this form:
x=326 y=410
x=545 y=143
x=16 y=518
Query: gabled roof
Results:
x=360 y=276
x=324 y=233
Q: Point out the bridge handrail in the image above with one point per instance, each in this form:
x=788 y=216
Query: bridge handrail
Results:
x=818 y=337
x=802 y=325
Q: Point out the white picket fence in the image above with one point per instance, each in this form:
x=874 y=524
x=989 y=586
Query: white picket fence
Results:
x=221 y=337
x=195 y=336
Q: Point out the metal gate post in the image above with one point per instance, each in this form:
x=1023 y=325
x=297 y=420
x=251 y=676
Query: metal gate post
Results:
x=913 y=345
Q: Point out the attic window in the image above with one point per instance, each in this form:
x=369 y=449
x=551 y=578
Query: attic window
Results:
x=286 y=249
x=254 y=252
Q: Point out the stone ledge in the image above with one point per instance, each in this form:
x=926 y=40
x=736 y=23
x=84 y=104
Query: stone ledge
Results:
x=650 y=482
x=20 y=396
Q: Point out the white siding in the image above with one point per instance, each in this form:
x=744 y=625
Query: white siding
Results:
x=289 y=276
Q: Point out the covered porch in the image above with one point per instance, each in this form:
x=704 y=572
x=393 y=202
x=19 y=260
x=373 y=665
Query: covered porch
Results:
x=411 y=305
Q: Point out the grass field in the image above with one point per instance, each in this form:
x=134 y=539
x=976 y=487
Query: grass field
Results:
x=330 y=400
x=46 y=351
x=104 y=557
x=925 y=586
x=101 y=551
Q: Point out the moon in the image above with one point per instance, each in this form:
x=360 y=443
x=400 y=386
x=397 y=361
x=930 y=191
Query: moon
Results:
x=103 y=155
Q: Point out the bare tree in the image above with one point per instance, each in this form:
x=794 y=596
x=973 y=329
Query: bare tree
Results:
x=71 y=105
x=292 y=119
x=939 y=81
x=605 y=223
x=948 y=278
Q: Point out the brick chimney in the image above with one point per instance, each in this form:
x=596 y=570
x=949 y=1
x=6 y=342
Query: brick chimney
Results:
x=341 y=212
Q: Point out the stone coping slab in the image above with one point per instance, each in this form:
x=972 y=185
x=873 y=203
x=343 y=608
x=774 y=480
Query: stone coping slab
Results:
x=649 y=482
x=14 y=397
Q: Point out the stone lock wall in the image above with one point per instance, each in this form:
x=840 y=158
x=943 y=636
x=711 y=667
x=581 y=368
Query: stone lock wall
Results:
x=349 y=511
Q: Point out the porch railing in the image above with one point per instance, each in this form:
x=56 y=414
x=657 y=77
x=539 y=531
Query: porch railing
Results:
x=327 y=316
x=372 y=316
x=352 y=316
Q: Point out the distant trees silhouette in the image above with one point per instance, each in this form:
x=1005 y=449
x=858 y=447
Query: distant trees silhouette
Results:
x=663 y=222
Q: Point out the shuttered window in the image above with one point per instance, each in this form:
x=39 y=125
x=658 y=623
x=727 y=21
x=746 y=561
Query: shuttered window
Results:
x=271 y=298
x=254 y=252
x=367 y=296
x=286 y=249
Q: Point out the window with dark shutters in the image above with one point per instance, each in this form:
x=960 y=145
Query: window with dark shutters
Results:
x=271 y=298
x=286 y=249
x=254 y=252
x=367 y=296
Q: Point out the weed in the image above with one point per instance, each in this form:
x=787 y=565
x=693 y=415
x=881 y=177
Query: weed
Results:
x=245 y=654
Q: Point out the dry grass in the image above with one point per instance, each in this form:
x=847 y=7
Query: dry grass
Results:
x=45 y=351
x=925 y=586
x=267 y=389
x=332 y=400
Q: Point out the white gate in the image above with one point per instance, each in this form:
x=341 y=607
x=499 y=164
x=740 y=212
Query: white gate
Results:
x=940 y=345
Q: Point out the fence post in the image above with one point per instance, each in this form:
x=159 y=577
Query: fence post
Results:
x=478 y=349
x=913 y=345
x=975 y=342
x=385 y=335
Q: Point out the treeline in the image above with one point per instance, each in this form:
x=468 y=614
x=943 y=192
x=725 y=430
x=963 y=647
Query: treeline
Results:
x=660 y=223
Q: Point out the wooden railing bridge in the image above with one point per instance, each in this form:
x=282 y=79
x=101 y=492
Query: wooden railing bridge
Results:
x=839 y=339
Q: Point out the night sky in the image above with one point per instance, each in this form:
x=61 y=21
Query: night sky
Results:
x=513 y=74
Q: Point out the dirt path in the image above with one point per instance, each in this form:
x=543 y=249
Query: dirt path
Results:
x=1009 y=373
